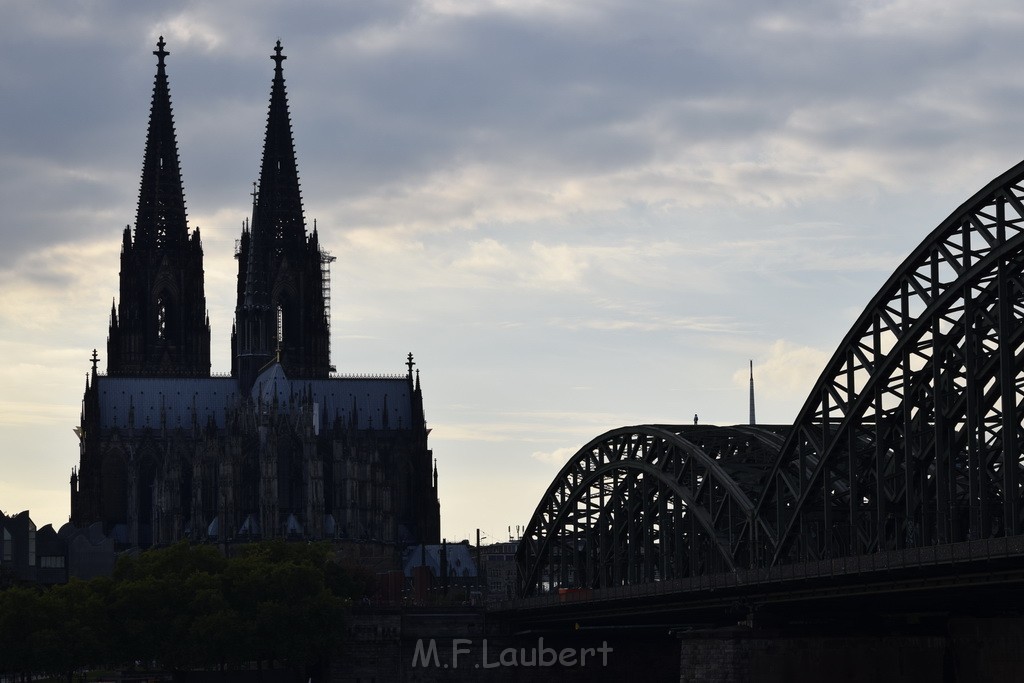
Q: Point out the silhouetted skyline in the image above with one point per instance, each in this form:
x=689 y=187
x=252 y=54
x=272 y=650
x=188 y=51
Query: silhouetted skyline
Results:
x=575 y=217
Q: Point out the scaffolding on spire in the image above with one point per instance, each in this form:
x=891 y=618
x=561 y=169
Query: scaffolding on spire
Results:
x=326 y=259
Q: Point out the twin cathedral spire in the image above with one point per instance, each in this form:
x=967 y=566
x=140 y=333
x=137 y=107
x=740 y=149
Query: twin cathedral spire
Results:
x=168 y=452
x=160 y=326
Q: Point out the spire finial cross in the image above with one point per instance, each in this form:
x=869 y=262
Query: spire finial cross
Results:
x=409 y=364
x=95 y=361
x=160 y=52
x=278 y=57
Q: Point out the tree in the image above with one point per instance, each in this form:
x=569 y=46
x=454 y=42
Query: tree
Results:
x=185 y=607
x=280 y=589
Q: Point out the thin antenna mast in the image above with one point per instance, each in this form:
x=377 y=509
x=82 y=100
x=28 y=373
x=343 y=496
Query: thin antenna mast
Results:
x=753 y=421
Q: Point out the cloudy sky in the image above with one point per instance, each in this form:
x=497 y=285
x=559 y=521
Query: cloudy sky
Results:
x=577 y=214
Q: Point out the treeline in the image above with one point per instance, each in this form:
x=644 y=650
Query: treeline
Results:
x=183 y=608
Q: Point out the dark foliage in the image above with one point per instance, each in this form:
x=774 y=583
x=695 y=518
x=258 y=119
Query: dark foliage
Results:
x=185 y=607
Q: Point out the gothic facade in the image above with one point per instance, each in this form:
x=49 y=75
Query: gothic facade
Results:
x=282 y=447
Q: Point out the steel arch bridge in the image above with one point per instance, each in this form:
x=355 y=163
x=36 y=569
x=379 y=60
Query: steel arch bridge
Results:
x=911 y=437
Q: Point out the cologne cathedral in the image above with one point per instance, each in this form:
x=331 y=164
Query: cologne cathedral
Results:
x=281 y=448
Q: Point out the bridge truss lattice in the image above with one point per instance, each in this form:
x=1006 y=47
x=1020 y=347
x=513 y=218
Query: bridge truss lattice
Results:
x=910 y=437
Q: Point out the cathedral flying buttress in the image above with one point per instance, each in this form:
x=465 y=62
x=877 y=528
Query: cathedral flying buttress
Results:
x=281 y=448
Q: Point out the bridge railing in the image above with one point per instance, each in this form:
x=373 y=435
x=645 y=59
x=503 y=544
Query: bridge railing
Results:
x=953 y=554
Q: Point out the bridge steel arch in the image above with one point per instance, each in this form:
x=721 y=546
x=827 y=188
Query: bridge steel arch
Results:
x=646 y=503
x=911 y=437
x=912 y=433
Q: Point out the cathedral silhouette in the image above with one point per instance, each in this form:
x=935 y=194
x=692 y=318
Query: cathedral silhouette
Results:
x=281 y=448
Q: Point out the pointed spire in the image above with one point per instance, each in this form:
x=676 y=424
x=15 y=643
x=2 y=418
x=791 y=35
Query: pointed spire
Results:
x=278 y=226
x=282 y=287
x=161 y=220
x=160 y=327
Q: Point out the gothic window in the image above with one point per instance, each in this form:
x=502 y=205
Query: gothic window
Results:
x=280 y=324
x=114 y=498
x=161 y=317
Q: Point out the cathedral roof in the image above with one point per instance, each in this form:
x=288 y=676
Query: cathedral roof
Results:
x=154 y=402
x=272 y=385
x=143 y=401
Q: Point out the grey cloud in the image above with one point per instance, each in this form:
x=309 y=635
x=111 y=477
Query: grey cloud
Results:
x=611 y=88
x=622 y=86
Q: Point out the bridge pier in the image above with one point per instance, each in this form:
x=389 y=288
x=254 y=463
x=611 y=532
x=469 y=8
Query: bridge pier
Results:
x=742 y=655
x=950 y=651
